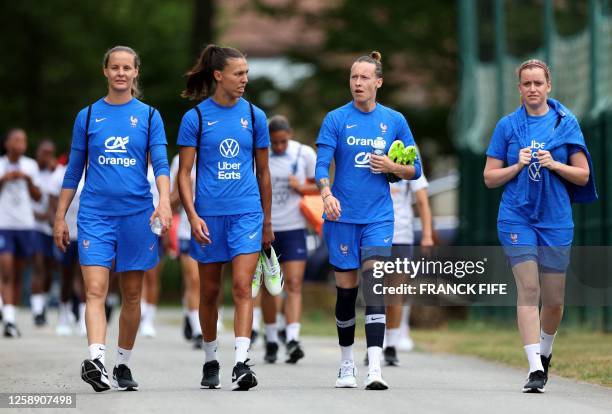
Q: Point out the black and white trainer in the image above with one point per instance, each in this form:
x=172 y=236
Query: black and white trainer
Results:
x=210 y=375
x=122 y=379
x=536 y=382
x=11 y=330
x=294 y=352
x=94 y=373
x=271 y=352
x=242 y=377
x=391 y=358
x=187 y=331
x=546 y=365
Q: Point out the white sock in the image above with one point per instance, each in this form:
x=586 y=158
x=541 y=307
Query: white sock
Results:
x=210 y=351
x=256 y=318
x=242 y=349
x=64 y=313
x=405 y=323
x=271 y=332
x=123 y=356
x=281 y=322
x=1 y=301
x=97 y=351
x=37 y=302
x=151 y=311
x=374 y=353
x=194 y=321
x=9 y=313
x=392 y=336
x=293 y=331
x=347 y=353
x=546 y=343
x=533 y=355
x=144 y=308
x=82 y=323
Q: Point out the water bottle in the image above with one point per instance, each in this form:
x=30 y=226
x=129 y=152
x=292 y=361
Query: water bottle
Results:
x=378 y=148
x=157 y=226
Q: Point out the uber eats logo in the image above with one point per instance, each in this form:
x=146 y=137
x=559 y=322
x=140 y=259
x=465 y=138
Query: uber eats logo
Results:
x=116 y=145
x=227 y=170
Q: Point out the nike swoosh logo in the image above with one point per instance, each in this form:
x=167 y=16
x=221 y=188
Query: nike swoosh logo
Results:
x=152 y=246
x=212 y=123
x=100 y=119
x=252 y=236
x=377 y=319
x=387 y=239
x=350 y=126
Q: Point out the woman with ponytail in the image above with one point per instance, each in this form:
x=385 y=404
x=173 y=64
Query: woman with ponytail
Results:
x=226 y=136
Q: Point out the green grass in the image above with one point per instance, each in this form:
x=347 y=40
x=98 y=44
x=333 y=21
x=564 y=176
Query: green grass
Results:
x=579 y=354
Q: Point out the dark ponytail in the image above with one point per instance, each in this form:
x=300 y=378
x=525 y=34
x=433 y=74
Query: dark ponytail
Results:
x=200 y=78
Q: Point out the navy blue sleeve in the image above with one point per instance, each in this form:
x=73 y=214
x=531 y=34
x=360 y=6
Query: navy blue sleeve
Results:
x=74 y=171
x=159 y=160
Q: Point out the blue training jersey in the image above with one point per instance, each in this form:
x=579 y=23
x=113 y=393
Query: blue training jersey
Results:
x=363 y=195
x=117 y=143
x=225 y=181
x=504 y=145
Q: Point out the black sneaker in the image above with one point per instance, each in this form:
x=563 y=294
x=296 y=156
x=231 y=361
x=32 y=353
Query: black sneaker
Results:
x=391 y=358
x=546 y=364
x=11 y=331
x=187 y=331
x=198 y=342
x=210 y=375
x=40 y=320
x=122 y=379
x=254 y=336
x=108 y=311
x=242 y=377
x=282 y=336
x=271 y=352
x=94 y=373
x=294 y=352
x=536 y=382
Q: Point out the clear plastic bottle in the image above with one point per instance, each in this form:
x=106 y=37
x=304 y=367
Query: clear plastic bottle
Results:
x=157 y=226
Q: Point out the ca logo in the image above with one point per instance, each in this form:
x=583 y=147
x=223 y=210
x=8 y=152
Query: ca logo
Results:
x=229 y=148
x=116 y=144
x=362 y=160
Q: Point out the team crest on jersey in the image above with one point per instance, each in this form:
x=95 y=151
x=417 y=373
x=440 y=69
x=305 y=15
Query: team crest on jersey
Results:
x=383 y=128
x=514 y=238
x=86 y=244
x=344 y=249
x=244 y=123
x=133 y=121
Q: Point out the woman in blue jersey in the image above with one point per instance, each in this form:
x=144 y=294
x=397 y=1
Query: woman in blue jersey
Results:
x=358 y=208
x=539 y=155
x=112 y=140
x=231 y=217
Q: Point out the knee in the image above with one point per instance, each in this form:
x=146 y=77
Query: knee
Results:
x=131 y=297
x=209 y=296
x=555 y=309
x=241 y=291
x=529 y=294
x=293 y=286
x=95 y=291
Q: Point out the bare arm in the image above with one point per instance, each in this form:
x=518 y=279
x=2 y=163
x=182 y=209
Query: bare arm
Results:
x=265 y=192
x=496 y=175
x=422 y=205
x=60 y=228
x=383 y=164
x=577 y=172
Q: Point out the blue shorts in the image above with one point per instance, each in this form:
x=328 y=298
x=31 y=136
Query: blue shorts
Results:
x=19 y=243
x=349 y=244
x=290 y=245
x=230 y=236
x=549 y=248
x=43 y=244
x=71 y=255
x=184 y=246
x=126 y=240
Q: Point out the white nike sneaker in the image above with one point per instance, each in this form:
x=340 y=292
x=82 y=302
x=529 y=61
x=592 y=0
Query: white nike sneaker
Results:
x=347 y=375
x=147 y=330
x=63 y=329
x=374 y=381
x=405 y=344
x=256 y=282
x=273 y=275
